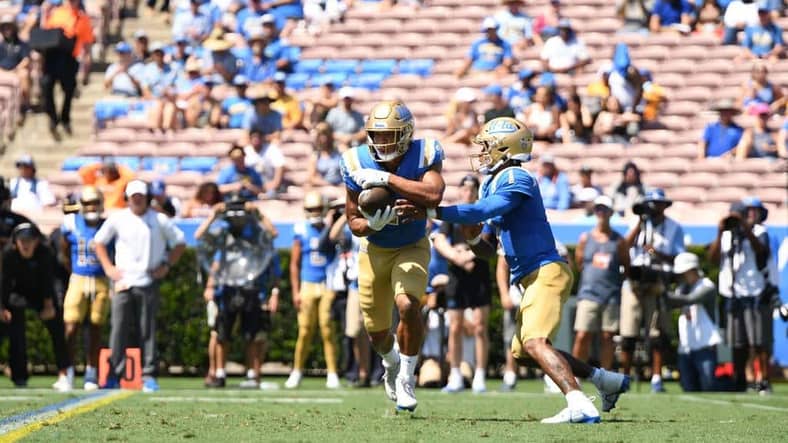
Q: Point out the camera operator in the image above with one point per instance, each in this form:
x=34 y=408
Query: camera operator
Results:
x=653 y=243
x=8 y=218
x=27 y=283
x=742 y=249
x=243 y=267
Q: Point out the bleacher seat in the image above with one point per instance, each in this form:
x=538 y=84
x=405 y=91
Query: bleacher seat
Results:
x=335 y=78
x=74 y=163
x=370 y=81
x=378 y=66
x=297 y=81
x=309 y=66
x=130 y=162
x=422 y=66
x=160 y=165
x=198 y=164
x=340 y=66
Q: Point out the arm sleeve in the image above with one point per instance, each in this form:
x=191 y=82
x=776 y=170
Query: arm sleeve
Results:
x=346 y=177
x=106 y=232
x=700 y=294
x=778 y=36
x=707 y=134
x=507 y=50
x=489 y=207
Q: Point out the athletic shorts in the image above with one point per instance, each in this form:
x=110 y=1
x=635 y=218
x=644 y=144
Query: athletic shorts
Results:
x=596 y=317
x=86 y=292
x=748 y=323
x=386 y=272
x=239 y=305
x=545 y=291
x=640 y=308
x=469 y=290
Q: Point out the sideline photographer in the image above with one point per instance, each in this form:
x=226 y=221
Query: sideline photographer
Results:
x=653 y=244
x=742 y=249
x=236 y=244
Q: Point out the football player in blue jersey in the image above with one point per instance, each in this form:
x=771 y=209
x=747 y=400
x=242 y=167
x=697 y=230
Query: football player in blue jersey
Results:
x=88 y=286
x=394 y=254
x=311 y=295
x=511 y=206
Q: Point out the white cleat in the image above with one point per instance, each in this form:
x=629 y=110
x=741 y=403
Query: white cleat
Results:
x=390 y=381
x=406 y=397
x=612 y=386
x=90 y=386
x=63 y=384
x=576 y=416
x=478 y=386
x=332 y=381
x=294 y=380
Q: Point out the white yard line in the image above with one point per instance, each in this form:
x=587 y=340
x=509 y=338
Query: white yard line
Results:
x=731 y=403
x=19 y=398
x=288 y=400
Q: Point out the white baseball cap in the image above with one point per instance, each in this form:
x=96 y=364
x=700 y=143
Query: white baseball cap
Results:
x=465 y=94
x=588 y=194
x=684 y=262
x=605 y=201
x=347 y=92
x=136 y=187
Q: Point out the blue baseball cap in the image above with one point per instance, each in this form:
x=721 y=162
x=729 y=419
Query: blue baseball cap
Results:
x=123 y=48
x=157 y=187
x=657 y=195
x=547 y=79
x=240 y=80
x=493 y=90
x=526 y=73
x=755 y=202
x=180 y=38
x=280 y=76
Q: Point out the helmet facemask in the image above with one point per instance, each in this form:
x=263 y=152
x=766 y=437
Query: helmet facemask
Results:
x=91 y=210
x=388 y=144
x=491 y=157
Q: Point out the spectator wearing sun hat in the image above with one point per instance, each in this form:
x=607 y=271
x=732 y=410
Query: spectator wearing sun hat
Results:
x=220 y=63
x=125 y=76
x=564 y=53
x=262 y=117
x=759 y=141
x=28 y=192
x=488 y=53
x=498 y=105
x=346 y=122
x=189 y=92
x=722 y=136
x=286 y=104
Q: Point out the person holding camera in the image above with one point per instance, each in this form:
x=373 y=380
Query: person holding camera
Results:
x=147 y=246
x=742 y=250
x=27 y=283
x=653 y=243
x=243 y=268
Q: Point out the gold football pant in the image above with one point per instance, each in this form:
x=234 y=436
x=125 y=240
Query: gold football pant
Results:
x=316 y=301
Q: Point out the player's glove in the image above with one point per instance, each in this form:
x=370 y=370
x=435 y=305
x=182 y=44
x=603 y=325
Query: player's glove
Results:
x=380 y=218
x=370 y=178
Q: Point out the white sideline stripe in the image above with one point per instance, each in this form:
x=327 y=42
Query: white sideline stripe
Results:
x=289 y=400
x=231 y=391
x=19 y=398
x=730 y=403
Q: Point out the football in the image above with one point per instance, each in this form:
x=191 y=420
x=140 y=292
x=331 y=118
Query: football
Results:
x=372 y=199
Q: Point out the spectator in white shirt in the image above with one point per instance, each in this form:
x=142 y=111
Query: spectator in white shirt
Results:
x=267 y=159
x=738 y=15
x=564 y=53
x=147 y=244
x=28 y=192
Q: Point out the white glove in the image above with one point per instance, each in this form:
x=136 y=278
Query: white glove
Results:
x=380 y=219
x=370 y=178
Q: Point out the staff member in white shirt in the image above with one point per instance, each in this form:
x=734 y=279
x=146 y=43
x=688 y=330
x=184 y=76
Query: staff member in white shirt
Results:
x=742 y=250
x=142 y=239
x=28 y=192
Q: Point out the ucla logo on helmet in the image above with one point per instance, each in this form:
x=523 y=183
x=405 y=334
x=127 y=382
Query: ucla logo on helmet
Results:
x=403 y=113
x=379 y=125
x=501 y=127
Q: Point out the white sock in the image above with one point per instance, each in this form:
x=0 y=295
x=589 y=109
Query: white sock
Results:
x=250 y=374
x=509 y=378
x=455 y=375
x=479 y=374
x=656 y=378
x=575 y=398
x=407 y=365
x=391 y=358
x=220 y=373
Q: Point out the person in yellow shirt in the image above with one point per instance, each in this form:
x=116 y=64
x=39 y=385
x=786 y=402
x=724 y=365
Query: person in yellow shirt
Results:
x=110 y=178
x=60 y=64
x=286 y=104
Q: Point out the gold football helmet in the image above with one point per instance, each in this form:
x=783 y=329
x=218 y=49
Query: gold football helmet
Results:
x=314 y=207
x=389 y=130
x=91 y=203
x=502 y=139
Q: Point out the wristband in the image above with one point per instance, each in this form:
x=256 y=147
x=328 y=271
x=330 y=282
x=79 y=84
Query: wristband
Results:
x=432 y=213
x=474 y=241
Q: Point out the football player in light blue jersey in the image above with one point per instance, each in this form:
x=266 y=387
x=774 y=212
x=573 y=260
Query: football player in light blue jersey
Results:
x=394 y=253
x=510 y=203
x=88 y=287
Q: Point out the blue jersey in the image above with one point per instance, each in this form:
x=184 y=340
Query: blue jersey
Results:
x=523 y=232
x=419 y=158
x=313 y=260
x=80 y=235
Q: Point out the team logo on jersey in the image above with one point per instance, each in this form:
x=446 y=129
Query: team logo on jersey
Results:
x=501 y=127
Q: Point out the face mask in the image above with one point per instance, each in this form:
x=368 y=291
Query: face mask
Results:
x=91 y=217
x=315 y=220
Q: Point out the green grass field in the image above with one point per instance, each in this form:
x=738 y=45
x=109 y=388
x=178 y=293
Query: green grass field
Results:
x=183 y=410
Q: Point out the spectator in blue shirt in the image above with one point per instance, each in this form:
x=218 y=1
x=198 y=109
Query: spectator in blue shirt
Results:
x=721 y=137
x=179 y=52
x=124 y=76
x=766 y=39
x=220 y=61
x=287 y=13
x=233 y=109
x=520 y=96
x=251 y=16
x=238 y=178
x=195 y=24
x=158 y=75
x=553 y=185
x=262 y=118
x=258 y=67
x=489 y=53
x=671 y=15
